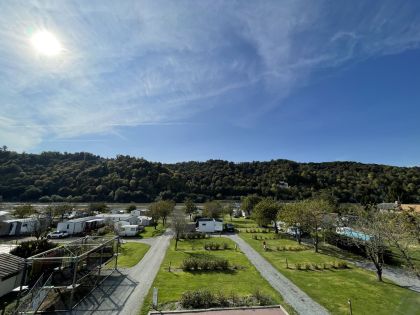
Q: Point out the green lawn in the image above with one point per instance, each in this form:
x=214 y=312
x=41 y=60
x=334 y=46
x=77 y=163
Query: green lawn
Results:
x=240 y=223
x=150 y=231
x=130 y=254
x=172 y=284
x=333 y=287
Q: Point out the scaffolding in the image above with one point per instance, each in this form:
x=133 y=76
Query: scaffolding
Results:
x=60 y=278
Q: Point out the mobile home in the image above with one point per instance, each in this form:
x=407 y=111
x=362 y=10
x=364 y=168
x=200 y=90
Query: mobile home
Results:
x=75 y=226
x=206 y=225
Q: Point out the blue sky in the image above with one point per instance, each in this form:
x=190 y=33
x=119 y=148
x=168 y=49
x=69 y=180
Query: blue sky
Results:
x=194 y=80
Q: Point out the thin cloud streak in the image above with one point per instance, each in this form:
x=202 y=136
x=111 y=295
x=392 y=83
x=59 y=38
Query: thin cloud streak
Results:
x=137 y=63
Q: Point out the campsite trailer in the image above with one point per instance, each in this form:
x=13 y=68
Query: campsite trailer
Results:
x=75 y=226
x=16 y=227
x=206 y=225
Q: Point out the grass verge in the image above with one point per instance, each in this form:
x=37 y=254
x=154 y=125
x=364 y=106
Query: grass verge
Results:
x=172 y=284
x=150 y=231
x=130 y=254
x=332 y=287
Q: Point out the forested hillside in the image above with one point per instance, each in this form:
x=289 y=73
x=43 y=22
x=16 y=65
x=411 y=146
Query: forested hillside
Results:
x=52 y=176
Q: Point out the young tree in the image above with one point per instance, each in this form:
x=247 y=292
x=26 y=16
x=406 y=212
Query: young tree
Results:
x=370 y=234
x=98 y=207
x=61 y=210
x=399 y=233
x=24 y=211
x=314 y=212
x=189 y=207
x=40 y=225
x=161 y=209
x=265 y=212
x=213 y=209
x=228 y=209
x=293 y=215
x=178 y=224
x=249 y=202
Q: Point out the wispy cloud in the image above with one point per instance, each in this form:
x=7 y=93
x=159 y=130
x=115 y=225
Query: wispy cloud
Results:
x=128 y=63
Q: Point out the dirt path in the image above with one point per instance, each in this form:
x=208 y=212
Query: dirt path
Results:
x=124 y=292
x=292 y=295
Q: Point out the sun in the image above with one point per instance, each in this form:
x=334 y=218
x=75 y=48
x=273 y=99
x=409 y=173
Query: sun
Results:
x=46 y=43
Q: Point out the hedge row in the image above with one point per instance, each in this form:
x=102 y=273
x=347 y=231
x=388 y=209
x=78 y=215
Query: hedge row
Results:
x=193 y=235
x=205 y=299
x=196 y=264
x=312 y=266
x=215 y=246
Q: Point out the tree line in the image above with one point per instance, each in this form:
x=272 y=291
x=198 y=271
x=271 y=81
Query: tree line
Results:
x=76 y=177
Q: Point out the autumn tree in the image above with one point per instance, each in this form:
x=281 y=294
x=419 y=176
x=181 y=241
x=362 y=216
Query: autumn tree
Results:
x=24 y=211
x=213 y=209
x=161 y=209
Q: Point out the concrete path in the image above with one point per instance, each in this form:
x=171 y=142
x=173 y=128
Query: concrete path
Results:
x=124 y=292
x=292 y=295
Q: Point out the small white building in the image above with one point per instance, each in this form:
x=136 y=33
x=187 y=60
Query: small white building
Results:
x=126 y=229
x=206 y=225
x=75 y=226
x=113 y=218
x=10 y=272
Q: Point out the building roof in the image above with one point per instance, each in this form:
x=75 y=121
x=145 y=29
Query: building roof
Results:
x=407 y=207
x=84 y=219
x=21 y=220
x=114 y=215
x=10 y=264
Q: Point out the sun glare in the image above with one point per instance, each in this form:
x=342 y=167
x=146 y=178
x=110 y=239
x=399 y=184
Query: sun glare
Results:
x=46 y=43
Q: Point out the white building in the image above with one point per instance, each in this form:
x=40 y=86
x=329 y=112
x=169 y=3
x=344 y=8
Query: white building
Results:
x=75 y=226
x=206 y=225
x=16 y=227
x=125 y=229
x=10 y=272
x=113 y=218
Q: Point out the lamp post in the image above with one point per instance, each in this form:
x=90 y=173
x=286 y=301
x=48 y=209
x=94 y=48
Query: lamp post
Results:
x=349 y=302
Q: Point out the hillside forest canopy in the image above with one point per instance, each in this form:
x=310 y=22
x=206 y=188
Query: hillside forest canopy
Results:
x=77 y=177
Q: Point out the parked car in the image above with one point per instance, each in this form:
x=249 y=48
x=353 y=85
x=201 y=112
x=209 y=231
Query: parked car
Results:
x=229 y=227
x=58 y=234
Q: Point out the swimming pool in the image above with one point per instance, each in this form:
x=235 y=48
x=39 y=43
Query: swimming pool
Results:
x=354 y=234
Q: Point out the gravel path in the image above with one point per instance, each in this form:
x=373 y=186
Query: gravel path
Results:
x=292 y=295
x=124 y=292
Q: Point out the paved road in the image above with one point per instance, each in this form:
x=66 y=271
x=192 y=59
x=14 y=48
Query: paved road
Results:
x=124 y=293
x=292 y=295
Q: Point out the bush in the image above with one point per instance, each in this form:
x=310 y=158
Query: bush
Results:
x=196 y=264
x=211 y=246
x=225 y=246
x=104 y=230
x=298 y=266
x=308 y=266
x=342 y=265
x=262 y=299
x=31 y=248
x=197 y=299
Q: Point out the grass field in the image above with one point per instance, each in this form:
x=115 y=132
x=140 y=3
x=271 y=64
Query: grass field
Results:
x=172 y=284
x=130 y=254
x=333 y=287
x=150 y=231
